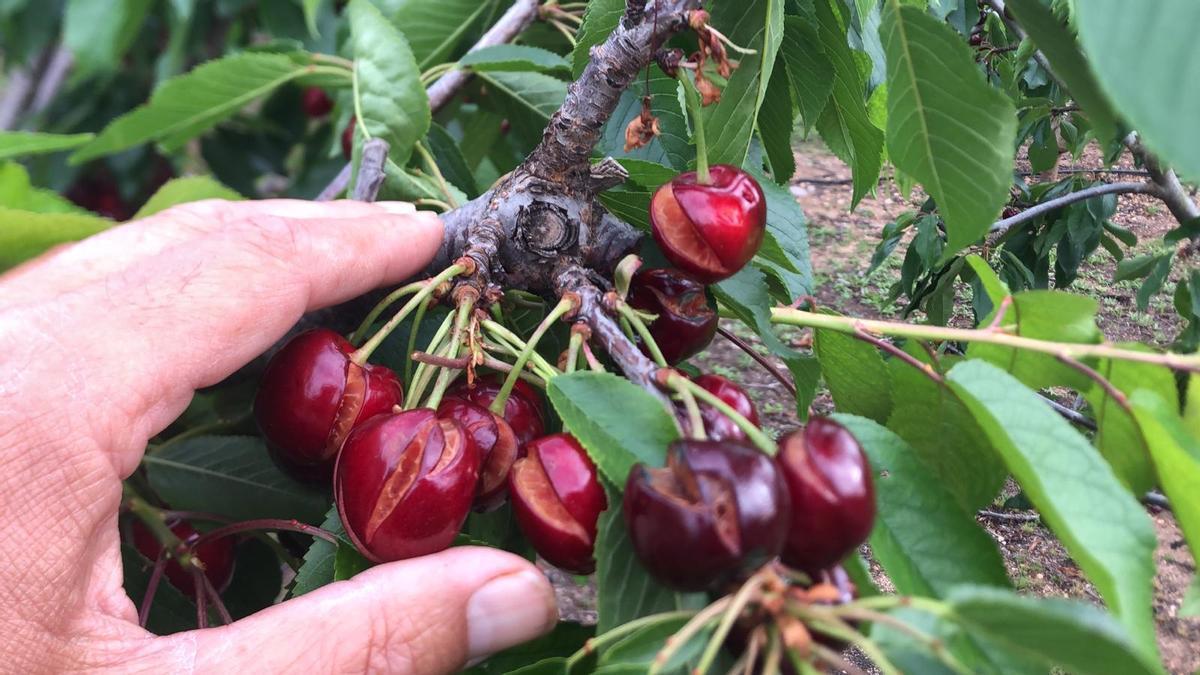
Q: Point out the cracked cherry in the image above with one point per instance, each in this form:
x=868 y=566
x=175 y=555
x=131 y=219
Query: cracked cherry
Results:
x=557 y=501
x=686 y=323
x=494 y=440
x=404 y=483
x=709 y=230
x=522 y=410
x=316 y=102
x=833 y=499
x=717 y=511
x=312 y=395
x=216 y=555
x=716 y=425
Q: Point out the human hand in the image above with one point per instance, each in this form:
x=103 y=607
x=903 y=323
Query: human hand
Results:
x=102 y=345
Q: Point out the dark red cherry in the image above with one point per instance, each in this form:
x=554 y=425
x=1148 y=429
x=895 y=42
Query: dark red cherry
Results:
x=316 y=102
x=717 y=511
x=522 y=410
x=312 y=395
x=709 y=230
x=557 y=500
x=348 y=138
x=494 y=440
x=685 y=323
x=716 y=425
x=404 y=483
x=833 y=499
x=216 y=555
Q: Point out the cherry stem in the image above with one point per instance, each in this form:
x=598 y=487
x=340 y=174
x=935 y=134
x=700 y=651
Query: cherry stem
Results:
x=695 y=419
x=214 y=597
x=488 y=362
x=925 y=369
x=155 y=520
x=590 y=356
x=462 y=322
x=774 y=655
x=643 y=332
x=201 y=599
x=595 y=644
x=420 y=379
x=564 y=307
x=515 y=345
x=741 y=599
x=823 y=621
x=831 y=658
x=757 y=436
x=760 y=359
x=692 y=97
x=431 y=285
x=266 y=524
x=361 y=332
x=160 y=564
x=412 y=339
x=935 y=645
x=572 y=361
x=685 y=634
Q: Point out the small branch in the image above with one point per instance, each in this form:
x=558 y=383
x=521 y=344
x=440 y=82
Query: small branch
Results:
x=370 y=171
x=1002 y=226
x=925 y=369
x=337 y=186
x=1014 y=517
x=511 y=24
x=1113 y=393
x=160 y=564
x=763 y=361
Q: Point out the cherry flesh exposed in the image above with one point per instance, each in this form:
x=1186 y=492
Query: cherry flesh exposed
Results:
x=709 y=230
x=718 y=510
x=404 y=483
x=494 y=440
x=833 y=498
x=685 y=323
x=216 y=555
x=522 y=410
x=312 y=395
x=316 y=102
x=557 y=500
x=717 y=426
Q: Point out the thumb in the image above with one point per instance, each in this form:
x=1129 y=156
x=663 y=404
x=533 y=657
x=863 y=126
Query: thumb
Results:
x=427 y=615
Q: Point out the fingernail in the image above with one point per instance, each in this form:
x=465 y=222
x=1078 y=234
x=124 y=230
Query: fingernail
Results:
x=508 y=611
x=399 y=208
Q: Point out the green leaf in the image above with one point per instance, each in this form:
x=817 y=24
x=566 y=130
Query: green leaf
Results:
x=183 y=190
x=1136 y=267
x=319 y=563
x=930 y=417
x=514 y=57
x=529 y=98
x=348 y=562
x=392 y=103
x=640 y=647
x=844 y=124
x=24 y=143
x=450 y=160
x=787 y=233
x=1155 y=280
x=775 y=126
x=1191 y=408
x=808 y=67
x=746 y=295
x=1190 y=607
x=624 y=590
x=434 y=29
x=24 y=234
x=927 y=543
x=18 y=193
x=231 y=476
x=1137 y=53
x=672 y=146
x=1176 y=454
x=172 y=611
x=1102 y=526
x=729 y=123
x=311 y=8
x=1068 y=634
x=601 y=409
x=1043 y=315
x=564 y=640
x=188 y=105
x=855 y=373
x=947 y=127
x=1061 y=49
x=99 y=33
x=599 y=20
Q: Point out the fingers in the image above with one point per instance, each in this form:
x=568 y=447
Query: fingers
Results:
x=427 y=615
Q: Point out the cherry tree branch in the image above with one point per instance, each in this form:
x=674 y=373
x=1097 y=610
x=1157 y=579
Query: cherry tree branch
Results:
x=511 y=24
x=1002 y=226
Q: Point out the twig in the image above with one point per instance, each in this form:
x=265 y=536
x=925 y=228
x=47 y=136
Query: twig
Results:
x=511 y=24
x=1017 y=517
x=337 y=186
x=1114 y=393
x=771 y=368
x=925 y=368
x=160 y=564
x=370 y=171
x=1002 y=226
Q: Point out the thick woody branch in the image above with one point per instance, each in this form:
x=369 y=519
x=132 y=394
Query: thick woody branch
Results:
x=511 y=24
x=1081 y=195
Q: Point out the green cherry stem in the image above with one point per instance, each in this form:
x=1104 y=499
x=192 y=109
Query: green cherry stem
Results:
x=412 y=340
x=685 y=634
x=420 y=378
x=643 y=332
x=361 y=332
x=510 y=341
x=462 y=322
x=774 y=653
x=573 y=352
x=695 y=419
x=152 y=517
x=564 y=307
x=827 y=623
x=364 y=352
x=757 y=436
x=692 y=97
x=743 y=597
x=604 y=639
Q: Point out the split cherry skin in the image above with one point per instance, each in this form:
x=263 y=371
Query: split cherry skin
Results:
x=404 y=484
x=312 y=394
x=557 y=500
x=522 y=410
x=717 y=426
x=216 y=555
x=494 y=440
x=709 y=230
x=833 y=497
x=717 y=511
x=685 y=323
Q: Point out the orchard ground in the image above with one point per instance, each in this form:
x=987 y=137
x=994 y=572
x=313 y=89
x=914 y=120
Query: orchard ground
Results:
x=841 y=244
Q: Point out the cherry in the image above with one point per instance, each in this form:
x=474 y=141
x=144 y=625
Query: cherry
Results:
x=312 y=395
x=833 y=499
x=348 y=138
x=709 y=230
x=404 y=483
x=99 y=193
x=718 y=510
x=317 y=103
x=717 y=426
x=522 y=410
x=557 y=500
x=496 y=443
x=216 y=555
x=685 y=323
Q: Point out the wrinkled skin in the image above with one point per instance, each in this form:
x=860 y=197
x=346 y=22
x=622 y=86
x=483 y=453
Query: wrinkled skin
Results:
x=685 y=323
x=104 y=343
